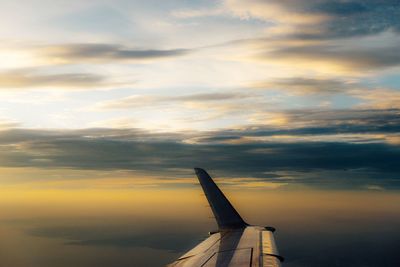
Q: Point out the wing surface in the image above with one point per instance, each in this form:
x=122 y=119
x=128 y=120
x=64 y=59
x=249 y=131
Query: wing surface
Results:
x=250 y=247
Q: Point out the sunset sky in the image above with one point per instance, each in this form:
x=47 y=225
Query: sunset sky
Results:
x=292 y=92
x=108 y=95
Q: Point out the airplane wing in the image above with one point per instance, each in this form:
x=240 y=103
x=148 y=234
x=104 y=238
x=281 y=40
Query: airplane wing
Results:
x=236 y=244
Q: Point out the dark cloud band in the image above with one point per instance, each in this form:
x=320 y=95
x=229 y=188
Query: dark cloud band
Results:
x=105 y=52
x=310 y=162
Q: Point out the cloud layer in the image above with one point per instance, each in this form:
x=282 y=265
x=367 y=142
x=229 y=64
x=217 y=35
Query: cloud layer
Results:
x=351 y=149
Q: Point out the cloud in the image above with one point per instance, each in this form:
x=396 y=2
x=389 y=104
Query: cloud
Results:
x=324 y=36
x=324 y=19
x=29 y=78
x=277 y=11
x=107 y=52
x=353 y=118
x=7 y=124
x=349 y=126
x=249 y=152
x=346 y=57
x=365 y=17
x=148 y=100
x=380 y=98
x=284 y=53
x=305 y=85
x=326 y=122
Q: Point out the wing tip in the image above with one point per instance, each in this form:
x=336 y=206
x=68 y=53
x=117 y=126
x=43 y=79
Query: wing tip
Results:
x=197 y=169
x=200 y=172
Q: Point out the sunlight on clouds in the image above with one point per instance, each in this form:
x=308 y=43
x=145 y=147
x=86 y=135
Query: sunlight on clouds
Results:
x=7 y=124
x=380 y=98
x=273 y=119
x=31 y=79
x=271 y=11
x=30 y=178
x=250 y=183
x=11 y=59
x=393 y=139
x=316 y=66
x=305 y=86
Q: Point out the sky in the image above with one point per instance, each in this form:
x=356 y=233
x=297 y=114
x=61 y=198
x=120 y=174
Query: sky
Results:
x=292 y=92
x=100 y=99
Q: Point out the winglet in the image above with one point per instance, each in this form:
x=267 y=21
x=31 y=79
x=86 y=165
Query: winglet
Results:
x=225 y=214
